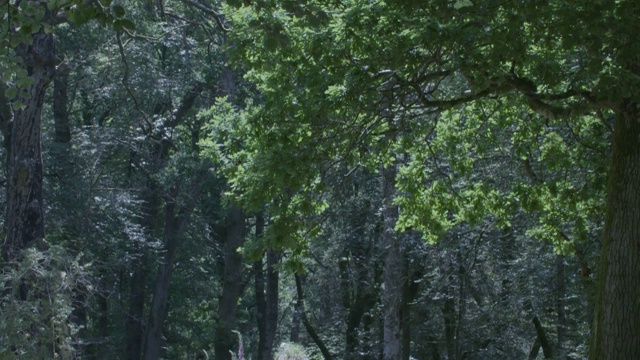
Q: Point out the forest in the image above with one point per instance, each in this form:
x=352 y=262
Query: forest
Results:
x=320 y=179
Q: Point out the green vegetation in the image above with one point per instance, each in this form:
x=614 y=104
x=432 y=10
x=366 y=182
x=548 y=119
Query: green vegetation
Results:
x=190 y=179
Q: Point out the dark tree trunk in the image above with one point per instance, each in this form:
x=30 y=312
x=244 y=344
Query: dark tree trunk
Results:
x=365 y=300
x=358 y=295
x=175 y=224
x=231 y=285
x=24 y=216
x=535 y=349
x=273 y=278
x=449 y=314
x=561 y=323
x=297 y=318
x=405 y=315
x=61 y=152
x=307 y=324
x=60 y=105
x=267 y=304
x=138 y=281
x=547 y=349
x=134 y=322
x=393 y=274
x=617 y=319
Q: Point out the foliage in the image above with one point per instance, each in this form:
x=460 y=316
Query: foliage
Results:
x=291 y=351
x=39 y=325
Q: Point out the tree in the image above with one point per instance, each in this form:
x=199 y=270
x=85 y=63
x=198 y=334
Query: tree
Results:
x=323 y=68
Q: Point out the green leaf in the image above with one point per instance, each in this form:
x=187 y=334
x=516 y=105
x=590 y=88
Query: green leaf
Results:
x=25 y=82
x=118 y=11
x=124 y=24
x=10 y=93
x=459 y=4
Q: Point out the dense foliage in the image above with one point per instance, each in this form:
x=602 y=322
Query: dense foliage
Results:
x=191 y=179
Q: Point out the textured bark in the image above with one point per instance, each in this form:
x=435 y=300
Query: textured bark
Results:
x=175 y=224
x=24 y=220
x=393 y=275
x=231 y=285
x=616 y=326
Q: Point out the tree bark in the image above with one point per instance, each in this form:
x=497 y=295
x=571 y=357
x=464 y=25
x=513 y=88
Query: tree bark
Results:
x=175 y=225
x=393 y=275
x=231 y=285
x=24 y=220
x=617 y=319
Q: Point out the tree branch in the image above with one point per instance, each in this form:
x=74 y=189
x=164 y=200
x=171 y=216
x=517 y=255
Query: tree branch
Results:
x=216 y=15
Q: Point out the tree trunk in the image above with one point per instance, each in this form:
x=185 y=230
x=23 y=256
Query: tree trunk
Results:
x=561 y=323
x=137 y=293
x=616 y=326
x=24 y=220
x=60 y=105
x=297 y=318
x=231 y=285
x=393 y=276
x=174 y=227
x=267 y=303
x=259 y=290
x=542 y=339
x=449 y=314
x=307 y=324
x=133 y=322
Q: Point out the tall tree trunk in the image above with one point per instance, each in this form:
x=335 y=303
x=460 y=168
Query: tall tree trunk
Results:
x=66 y=174
x=267 y=304
x=296 y=319
x=364 y=300
x=561 y=323
x=393 y=274
x=449 y=314
x=259 y=291
x=542 y=339
x=175 y=224
x=138 y=281
x=24 y=216
x=231 y=285
x=60 y=105
x=307 y=324
x=617 y=319
x=134 y=317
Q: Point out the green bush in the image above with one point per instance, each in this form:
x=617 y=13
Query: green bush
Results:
x=291 y=351
x=36 y=305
